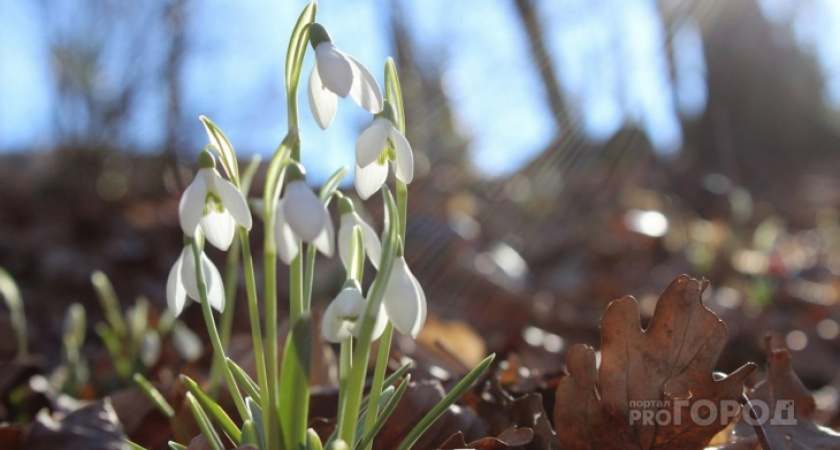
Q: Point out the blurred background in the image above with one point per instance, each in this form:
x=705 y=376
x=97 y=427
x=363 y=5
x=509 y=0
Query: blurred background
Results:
x=569 y=152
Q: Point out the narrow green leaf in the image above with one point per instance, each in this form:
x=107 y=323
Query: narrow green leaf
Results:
x=176 y=446
x=331 y=185
x=244 y=380
x=212 y=409
x=109 y=301
x=274 y=177
x=224 y=148
x=248 y=175
x=250 y=435
x=10 y=292
x=257 y=418
x=154 y=395
x=213 y=439
x=294 y=382
x=313 y=441
x=390 y=405
x=445 y=403
x=393 y=93
x=135 y=446
x=297 y=46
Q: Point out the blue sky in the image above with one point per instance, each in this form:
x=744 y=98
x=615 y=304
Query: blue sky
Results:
x=608 y=55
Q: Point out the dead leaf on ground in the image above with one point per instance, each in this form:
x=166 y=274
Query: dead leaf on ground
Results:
x=92 y=427
x=510 y=438
x=669 y=366
x=786 y=406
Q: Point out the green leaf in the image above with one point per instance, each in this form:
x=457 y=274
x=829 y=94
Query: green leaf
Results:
x=135 y=446
x=154 y=395
x=248 y=175
x=109 y=301
x=274 y=180
x=445 y=403
x=224 y=148
x=212 y=409
x=297 y=46
x=250 y=435
x=331 y=185
x=10 y=292
x=294 y=382
x=213 y=439
x=176 y=446
x=244 y=380
x=313 y=441
x=391 y=400
x=257 y=418
x=393 y=93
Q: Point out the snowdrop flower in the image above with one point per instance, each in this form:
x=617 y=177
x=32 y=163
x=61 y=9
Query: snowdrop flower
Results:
x=349 y=219
x=379 y=143
x=404 y=300
x=300 y=215
x=336 y=73
x=182 y=282
x=213 y=204
x=343 y=316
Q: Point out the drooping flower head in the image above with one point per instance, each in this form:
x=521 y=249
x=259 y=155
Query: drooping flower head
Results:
x=404 y=299
x=336 y=73
x=213 y=204
x=182 y=282
x=349 y=219
x=378 y=145
x=344 y=315
x=300 y=215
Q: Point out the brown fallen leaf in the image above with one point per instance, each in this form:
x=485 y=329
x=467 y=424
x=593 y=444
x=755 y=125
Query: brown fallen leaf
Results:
x=650 y=381
x=784 y=409
x=92 y=427
x=510 y=438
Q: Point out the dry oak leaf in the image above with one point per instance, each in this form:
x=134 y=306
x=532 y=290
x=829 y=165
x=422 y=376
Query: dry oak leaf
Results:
x=784 y=408
x=641 y=396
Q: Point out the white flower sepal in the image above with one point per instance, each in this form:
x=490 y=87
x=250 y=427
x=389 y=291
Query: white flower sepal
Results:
x=182 y=282
x=336 y=73
x=379 y=143
x=301 y=216
x=404 y=300
x=343 y=316
x=349 y=219
x=213 y=204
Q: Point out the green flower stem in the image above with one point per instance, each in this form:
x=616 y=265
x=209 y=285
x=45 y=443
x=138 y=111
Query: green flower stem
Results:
x=269 y=402
x=253 y=310
x=218 y=350
x=378 y=380
x=296 y=288
x=345 y=362
x=358 y=371
x=308 y=275
x=226 y=322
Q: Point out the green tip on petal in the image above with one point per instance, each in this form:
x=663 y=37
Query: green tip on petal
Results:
x=387 y=113
x=206 y=160
x=295 y=172
x=345 y=206
x=318 y=35
x=352 y=284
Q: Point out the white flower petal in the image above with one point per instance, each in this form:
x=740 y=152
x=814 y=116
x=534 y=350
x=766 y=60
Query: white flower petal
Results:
x=303 y=211
x=191 y=207
x=348 y=304
x=369 y=179
x=404 y=300
x=372 y=141
x=176 y=295
x=213 y=281
x=219 y=228
x=334 y=68
x=365 y=90
x=378 y=326
x=345 y=238
x=324 y=241
x=234 y=202
x=372 y=245
x=287 y=243
x=333 y=328
x=188 y=274
x=404 y=165
x=322 y=102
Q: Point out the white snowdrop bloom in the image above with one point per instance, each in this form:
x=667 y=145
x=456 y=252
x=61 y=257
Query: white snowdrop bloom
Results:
x=213 y=204
x=404 y=300
x=380 y=143
x=300 y=215
x=349 y=219
x=182 y=282
x=334 y=74
x=343 y=316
